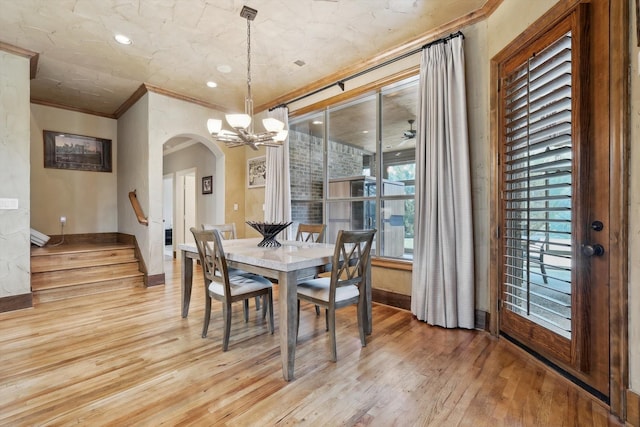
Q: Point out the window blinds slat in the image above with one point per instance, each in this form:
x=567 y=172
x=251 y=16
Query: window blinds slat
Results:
x=537 y=195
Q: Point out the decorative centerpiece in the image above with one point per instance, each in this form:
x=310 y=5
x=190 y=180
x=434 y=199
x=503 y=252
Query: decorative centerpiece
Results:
x=269 y=230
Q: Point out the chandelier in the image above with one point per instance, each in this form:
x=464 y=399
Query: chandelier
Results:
x=274 y=134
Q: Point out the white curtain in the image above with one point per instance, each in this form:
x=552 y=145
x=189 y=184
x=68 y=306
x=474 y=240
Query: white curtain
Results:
x=443 y=270
x=278 y=186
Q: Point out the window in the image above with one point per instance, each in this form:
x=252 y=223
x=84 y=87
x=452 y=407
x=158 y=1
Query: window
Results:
x=353 y=167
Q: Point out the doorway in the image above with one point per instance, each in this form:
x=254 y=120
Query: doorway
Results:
x=167 y=214
x=185 y=205
x=556 y=217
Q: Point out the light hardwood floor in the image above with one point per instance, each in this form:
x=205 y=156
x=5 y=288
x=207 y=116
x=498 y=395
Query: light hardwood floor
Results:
x=128 y=358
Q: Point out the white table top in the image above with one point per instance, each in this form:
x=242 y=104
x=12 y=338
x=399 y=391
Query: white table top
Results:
x=291 y=256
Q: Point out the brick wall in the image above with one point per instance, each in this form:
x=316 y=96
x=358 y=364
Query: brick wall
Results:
x=306 y=160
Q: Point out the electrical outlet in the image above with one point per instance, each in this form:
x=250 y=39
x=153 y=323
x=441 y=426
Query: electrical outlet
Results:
x=63 y=220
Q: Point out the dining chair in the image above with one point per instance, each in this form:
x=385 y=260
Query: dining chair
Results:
x=219 y=285
x=228 y=232
x=311 y=233
x=351 y=264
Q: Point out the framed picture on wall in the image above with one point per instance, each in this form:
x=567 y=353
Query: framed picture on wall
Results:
x=257 y=172
x=76 y=152
x=207 y=184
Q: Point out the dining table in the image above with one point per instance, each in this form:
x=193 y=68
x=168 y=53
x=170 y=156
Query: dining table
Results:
x=289 y=263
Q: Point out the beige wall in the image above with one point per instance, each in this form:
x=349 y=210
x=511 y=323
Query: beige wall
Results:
x=87 y=199
x=254 y=197
x=14 y=175
x=386 y=279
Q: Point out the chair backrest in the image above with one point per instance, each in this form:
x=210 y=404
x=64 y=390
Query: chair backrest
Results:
x=227 y=231
x=351 y=259
x=311 y=233
x=212 y=258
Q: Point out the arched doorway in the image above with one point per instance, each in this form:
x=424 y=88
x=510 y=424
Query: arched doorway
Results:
x=190 y=163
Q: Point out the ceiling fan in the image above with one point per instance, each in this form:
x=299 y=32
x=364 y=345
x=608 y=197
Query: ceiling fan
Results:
x=411 y=132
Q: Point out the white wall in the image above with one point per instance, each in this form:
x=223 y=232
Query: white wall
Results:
x=87 y=199
x=142 y=131
x=202 y=159
x=169 y=118
x=14 y=175
x=133 y=162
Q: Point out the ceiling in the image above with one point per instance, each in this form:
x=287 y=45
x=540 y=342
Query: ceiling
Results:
x=179 y=45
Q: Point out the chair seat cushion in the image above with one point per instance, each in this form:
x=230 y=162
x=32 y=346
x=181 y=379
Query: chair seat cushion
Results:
x=319 y=289
x=241 y=284
x=235 y=271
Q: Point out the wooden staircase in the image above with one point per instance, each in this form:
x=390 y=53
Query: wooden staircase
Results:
x=83 y=268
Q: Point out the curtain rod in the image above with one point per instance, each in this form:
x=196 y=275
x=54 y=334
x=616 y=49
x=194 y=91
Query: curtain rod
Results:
x=340 y=83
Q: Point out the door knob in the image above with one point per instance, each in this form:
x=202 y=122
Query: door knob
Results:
x=593 y=250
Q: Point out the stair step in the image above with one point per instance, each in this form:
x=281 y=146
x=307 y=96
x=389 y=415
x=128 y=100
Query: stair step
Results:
x=60 y=293
x=85 y=265
x=77 y=276
x=80 y=259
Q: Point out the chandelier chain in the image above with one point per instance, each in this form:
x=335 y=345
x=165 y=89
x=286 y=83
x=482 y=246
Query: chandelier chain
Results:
x=274 y=134
x=249 y=59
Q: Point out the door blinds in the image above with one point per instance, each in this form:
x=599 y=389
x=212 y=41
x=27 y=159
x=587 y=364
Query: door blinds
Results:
x=537 y=183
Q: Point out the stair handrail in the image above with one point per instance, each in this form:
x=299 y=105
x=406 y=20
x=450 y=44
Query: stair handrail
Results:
x=135 y=204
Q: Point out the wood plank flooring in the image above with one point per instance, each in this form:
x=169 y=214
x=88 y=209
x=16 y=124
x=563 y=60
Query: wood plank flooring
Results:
x=128 y=358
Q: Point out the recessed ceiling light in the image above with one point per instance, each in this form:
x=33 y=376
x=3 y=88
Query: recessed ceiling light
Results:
x=122 y=39
x=212 y=84
x=224 y=68
x=316 y=122
x=299 y=63
x=365 y=131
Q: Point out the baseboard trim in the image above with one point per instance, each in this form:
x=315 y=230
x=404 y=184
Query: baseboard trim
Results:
x=109 y=237
x=154 y=280
x=16 y=302
x=391 y=298
x=633 y=408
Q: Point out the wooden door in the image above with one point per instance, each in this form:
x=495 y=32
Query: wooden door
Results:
x=554 y=191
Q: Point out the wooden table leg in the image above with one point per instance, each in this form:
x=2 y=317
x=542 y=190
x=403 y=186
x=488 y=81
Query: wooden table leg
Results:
x=369 y=326
x=186 y=281
x=288 y=300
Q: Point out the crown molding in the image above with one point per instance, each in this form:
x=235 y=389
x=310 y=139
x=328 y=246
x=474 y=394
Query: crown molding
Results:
x=434 y=34
x=33 y=56
x=146 y=87
x=70 y=108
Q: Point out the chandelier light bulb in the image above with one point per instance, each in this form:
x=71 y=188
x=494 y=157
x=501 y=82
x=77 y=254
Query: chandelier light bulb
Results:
x=238 y=121
x=281 y=136
x=272 y=125
x=214 y=126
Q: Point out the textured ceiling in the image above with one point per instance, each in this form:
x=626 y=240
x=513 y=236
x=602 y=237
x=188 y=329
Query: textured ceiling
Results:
x=178 y=44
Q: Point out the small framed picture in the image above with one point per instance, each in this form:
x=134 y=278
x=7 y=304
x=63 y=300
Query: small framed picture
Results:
x=207 y=184
x=257 y=172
